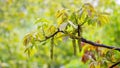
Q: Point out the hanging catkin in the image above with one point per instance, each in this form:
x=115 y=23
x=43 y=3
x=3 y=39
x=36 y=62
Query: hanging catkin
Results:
x=51 y=48
x=74 y=46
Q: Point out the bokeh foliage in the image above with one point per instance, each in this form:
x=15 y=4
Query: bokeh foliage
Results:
x=18 y=17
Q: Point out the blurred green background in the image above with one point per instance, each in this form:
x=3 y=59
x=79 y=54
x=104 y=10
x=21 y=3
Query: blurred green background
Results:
x=17 y=18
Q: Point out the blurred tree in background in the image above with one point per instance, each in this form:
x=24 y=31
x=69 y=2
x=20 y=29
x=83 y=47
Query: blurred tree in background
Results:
x=18 y=17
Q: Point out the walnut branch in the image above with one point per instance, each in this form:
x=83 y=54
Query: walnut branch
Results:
x=99 y=45
x=82 y=39
x=48 y=37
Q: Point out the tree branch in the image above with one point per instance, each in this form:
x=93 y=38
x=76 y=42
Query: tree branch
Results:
x=99 y=45
x=82 y=39
x=48 y=37
x=114 y=64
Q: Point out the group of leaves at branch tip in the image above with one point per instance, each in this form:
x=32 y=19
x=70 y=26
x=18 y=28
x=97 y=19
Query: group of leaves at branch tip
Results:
x=68 y=21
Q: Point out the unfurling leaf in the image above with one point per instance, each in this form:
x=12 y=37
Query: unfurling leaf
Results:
x=52 y=29
x=28 y=38
x=61 y=16
x=88 y=55
x=74 y=17
x=85 y=58
x=59 y=13
x=28 y=51
x=102 y=19
x=89 y=9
